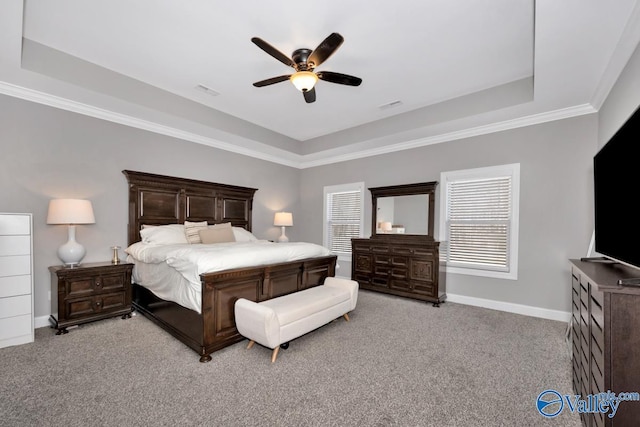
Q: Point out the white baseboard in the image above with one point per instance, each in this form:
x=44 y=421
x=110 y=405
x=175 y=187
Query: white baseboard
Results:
x=527 y=310
x=41 y=322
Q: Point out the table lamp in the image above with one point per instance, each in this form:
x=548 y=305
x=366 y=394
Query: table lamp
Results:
x=71 y=212
x=283 y=219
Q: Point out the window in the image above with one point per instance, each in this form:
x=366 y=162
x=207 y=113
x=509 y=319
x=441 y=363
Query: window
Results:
x=479 y=221
x=343 y=217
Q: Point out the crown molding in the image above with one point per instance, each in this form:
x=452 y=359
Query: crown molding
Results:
x=534 y=119
x=279 y=156
x=276 y=155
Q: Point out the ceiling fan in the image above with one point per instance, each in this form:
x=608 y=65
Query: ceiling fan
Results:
x=304 y=61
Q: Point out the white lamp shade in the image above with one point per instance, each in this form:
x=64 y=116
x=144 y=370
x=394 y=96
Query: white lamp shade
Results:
x=283 y=219
x=304 y=80
x=70 y=211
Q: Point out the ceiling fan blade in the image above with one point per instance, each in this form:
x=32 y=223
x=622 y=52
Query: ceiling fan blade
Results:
x=342 y=79
x=273 y=51
x=272 y=80
x=325 y=49
x=310 y=95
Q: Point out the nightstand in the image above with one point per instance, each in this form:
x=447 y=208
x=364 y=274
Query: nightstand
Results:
x=89 y=292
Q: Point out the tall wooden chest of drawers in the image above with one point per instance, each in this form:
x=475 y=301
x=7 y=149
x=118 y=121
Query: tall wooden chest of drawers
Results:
x=16 y=280
x=88 y=292
x=605 y=338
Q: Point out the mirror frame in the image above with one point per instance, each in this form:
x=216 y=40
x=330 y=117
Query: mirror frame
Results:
x=428 y=188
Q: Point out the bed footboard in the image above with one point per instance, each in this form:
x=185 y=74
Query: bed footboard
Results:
x=215 y=327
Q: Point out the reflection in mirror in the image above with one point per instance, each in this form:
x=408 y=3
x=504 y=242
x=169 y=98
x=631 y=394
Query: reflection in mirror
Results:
x=403 y=214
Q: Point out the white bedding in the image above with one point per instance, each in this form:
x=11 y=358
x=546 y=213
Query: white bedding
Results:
x=191 y=260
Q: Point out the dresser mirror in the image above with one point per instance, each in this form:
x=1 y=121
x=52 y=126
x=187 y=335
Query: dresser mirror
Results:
x=403 y=211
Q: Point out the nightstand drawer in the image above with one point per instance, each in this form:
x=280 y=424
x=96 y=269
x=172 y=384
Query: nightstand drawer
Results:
x=104 y=303
x=82 y=286
x=15 y=285
x=15 y=306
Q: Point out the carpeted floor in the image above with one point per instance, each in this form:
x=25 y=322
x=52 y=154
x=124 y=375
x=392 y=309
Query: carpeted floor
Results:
x=398 y=362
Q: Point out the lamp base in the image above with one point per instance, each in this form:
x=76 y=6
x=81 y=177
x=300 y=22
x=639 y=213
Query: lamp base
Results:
x=283 y=238
x=72 y=252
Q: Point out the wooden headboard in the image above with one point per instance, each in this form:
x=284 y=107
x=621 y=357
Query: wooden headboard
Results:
x=160 y=200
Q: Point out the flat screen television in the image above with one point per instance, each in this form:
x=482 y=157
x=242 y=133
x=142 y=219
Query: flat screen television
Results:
x=616 y=170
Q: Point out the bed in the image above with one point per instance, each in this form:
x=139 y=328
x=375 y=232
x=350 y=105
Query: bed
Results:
x=158 y=200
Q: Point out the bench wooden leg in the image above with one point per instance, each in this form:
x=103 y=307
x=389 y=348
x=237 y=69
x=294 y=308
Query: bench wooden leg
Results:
x=274 y=354
x=346 y=316
x=251 y=343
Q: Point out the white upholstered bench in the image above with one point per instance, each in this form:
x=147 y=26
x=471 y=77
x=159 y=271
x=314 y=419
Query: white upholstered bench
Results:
x=277 y=321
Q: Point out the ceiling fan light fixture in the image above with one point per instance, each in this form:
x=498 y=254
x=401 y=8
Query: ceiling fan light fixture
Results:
x=304 y=80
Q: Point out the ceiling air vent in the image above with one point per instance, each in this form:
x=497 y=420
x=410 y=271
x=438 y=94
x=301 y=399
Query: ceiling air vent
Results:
x=207 y=90
x=391 y=104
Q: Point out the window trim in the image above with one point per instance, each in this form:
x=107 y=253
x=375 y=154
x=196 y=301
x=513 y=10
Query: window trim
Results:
x=329 y=189
x=512 y=170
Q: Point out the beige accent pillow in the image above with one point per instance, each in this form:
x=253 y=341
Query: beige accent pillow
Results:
x=191 y=230
x=219 y=233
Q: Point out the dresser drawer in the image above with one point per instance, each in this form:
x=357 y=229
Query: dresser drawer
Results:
x=401 y=250
x=15 y=245
x=15 y=285
x=399 y=273
x=16 y=326
x=361 y=247
x=381 y=259
x=424 y=288
x=380 y=281
x=399 y=284
x=381 y=269
x=15 y=224
x=15 y=265
x=400 y=261
x=15 y=306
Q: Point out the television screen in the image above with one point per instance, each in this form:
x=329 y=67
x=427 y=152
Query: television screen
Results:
x=616 y=170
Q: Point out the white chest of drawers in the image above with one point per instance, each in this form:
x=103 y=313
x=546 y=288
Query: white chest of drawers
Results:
x=16 y=279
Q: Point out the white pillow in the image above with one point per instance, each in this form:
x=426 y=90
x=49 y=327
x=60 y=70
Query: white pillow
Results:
x=191 y=230
x=163 y=234
x=243 y=235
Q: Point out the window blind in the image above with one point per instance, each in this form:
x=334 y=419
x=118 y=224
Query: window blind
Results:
x=343 y=219
x=478 y=222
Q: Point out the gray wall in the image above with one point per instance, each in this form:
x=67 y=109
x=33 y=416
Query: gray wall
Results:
x=622 y=101
x=49 y=153
x=555 y=200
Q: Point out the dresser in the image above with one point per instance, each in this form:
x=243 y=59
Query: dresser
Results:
x=605 y=326
x=16 y=279
x=401 y=257
x=89 y=292
x=399 y=267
